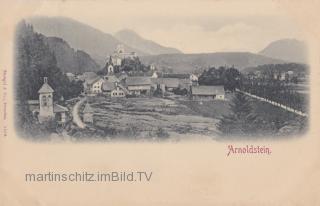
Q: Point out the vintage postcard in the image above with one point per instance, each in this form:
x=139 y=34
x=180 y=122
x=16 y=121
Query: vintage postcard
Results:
x=137 y=102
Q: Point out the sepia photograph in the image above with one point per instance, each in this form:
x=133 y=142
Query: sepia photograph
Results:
x=144 y=76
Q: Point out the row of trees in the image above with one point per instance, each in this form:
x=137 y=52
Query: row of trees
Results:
x=229 y=77
x=277 y=91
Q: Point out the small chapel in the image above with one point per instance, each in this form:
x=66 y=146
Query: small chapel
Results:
x=46 y=108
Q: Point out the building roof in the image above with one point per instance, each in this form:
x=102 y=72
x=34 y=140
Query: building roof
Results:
x=107 y=85
x=137 y=81
x=93 y=80
x=87 y=108
x=169 y=82
x=69 y=74
x=45 y=89
x=179 y=76
x=207 y=90
x=122 y=76
x=111 y=78
x=87 y=75
x=185 y=81
x=59 y=108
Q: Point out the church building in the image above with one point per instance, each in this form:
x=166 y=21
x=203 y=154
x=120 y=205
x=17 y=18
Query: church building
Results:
x=47 y=109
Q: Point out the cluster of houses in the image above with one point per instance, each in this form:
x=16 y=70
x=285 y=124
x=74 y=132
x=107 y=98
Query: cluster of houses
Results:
x=120 y=84
x=123 y=85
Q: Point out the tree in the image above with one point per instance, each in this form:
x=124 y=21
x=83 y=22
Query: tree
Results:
x=242 y=121
x=231 y=79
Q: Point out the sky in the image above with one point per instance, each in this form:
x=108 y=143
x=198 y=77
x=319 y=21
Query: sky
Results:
x=192 y=26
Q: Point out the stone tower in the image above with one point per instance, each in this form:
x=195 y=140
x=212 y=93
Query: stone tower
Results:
x=46 y=101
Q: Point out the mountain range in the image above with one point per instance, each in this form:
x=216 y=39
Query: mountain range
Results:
x=189 y=62
x=131 y=38
x=95 y=46
x=290 y=50
x=96 y=43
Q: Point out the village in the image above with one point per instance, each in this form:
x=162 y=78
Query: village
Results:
x=166 y=93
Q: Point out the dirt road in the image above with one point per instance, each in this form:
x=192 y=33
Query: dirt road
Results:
x=75 y=113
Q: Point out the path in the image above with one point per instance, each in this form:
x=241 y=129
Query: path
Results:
x=75 y=113
x=289 y=109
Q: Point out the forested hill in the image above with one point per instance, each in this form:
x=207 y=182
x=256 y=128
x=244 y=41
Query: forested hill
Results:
x=68 y=59
x=35 y=60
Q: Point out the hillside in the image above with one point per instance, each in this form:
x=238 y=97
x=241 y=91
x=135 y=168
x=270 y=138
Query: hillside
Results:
x=290 y=50
x=189 y=62
x=68 y=59
x=80 y=36
x=132 y=39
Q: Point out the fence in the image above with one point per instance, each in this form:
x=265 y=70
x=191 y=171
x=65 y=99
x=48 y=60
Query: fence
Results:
x=274 y=103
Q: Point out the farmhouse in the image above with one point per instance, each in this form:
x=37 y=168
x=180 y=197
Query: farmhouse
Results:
x=207 y=92
x=93 y=85
x=111 y=78
x=138 y=85
x=107 y=87
x=86 y=75
x=45 y=108
x=118 y=92
x=168 y=83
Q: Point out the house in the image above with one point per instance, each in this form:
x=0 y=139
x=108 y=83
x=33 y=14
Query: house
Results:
x=111 y=78
x=193 y=78
x=154 y=75
x=207 y=92
x=122 y=76
x=45 y=108
x=88 y=113
x=93 y=85
x=86 y=75
x=118 y=92
x=152 y=67
x=107 y=87
x=185 y=84
x=176 y=75
x=169 y=83
x=138 y=85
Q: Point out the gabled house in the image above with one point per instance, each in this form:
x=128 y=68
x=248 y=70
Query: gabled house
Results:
x=111 y=78
x=93 y=85
x=107 y=86
x=168 y=83
x=118 y=92
x=139 y=85
x=207 y=92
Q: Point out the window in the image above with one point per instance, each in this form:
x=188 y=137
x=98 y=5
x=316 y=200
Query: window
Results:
x=44 y=101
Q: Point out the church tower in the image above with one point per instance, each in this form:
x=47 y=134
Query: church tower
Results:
x=46 y=101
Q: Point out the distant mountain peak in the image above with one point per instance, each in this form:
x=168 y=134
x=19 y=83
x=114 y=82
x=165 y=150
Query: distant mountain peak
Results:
x=133 y=39
x=291 y=50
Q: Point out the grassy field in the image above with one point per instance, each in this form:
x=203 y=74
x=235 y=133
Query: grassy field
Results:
x=155 y=117
x=178 y=117
x=278 y=122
